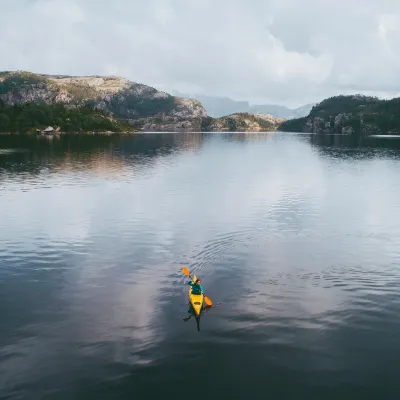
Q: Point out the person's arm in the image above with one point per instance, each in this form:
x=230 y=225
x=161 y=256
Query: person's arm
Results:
x=201 y=288
x=190 y=283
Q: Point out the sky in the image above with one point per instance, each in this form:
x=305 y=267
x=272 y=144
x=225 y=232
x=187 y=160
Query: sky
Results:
x=288 y=52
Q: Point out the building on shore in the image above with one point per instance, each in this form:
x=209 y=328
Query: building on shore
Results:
x=49 y=130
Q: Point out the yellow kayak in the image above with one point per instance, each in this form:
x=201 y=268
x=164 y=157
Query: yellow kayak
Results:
x=196 y=300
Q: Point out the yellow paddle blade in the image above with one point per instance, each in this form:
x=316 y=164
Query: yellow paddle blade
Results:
x=185 y=271
x=208 y=301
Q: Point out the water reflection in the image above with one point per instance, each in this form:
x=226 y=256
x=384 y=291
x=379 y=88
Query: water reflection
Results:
x=191 y=313
x=355 y=146
x=114 y=156
x=111 y=155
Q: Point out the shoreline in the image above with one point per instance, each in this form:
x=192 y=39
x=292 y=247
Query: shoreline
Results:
x=59 y=133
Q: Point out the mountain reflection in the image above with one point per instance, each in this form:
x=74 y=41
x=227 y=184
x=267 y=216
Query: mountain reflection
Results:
x=110 y=156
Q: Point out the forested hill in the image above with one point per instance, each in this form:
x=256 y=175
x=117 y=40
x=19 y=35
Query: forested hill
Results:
x=349 y=114
x=29 y=117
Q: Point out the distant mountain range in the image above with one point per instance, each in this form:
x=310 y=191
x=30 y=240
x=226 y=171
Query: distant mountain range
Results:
x=221 y=106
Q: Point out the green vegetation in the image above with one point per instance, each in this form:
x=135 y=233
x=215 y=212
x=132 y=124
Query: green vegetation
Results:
x=13 y=82
x=206 y=124
x=31 y=116
x=385 y=115
x=343 y=104
x=293 y=125
x=362 y=114
x=143 y=104
x=80 y=91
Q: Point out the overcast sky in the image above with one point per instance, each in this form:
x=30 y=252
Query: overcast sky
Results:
x=287 y=52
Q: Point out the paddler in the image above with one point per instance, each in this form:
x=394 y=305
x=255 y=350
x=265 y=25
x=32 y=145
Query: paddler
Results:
x=196 y=286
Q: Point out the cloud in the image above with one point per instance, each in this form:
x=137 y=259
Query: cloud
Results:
x=263 y=51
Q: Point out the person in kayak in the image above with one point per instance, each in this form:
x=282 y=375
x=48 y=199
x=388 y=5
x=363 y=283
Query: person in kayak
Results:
x=196 y=287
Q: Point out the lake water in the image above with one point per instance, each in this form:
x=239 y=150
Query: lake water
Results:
x=296 y=239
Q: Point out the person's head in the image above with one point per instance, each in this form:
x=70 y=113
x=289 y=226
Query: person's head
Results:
x=198 y=282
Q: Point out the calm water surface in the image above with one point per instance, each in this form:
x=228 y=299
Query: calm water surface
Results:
x=296 y=239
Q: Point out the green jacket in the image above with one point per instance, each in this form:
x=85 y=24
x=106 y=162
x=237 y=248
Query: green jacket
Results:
x=196 y=289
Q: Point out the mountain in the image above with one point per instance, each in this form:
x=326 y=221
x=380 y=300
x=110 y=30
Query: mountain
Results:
x=349 y=114
x=281 y=111
x=116 y=97
x=106 y=103
x=300 y=112
x=221 y=106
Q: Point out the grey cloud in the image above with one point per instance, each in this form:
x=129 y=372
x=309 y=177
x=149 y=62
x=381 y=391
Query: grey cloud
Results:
x=285 y=51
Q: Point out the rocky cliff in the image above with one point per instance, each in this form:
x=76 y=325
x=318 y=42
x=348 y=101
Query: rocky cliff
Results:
x=242 y=122
x=349 y=114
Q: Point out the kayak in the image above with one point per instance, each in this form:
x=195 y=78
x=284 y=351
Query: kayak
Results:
x=196 y=300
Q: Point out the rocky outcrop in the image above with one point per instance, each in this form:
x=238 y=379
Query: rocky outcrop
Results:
x=243 y=122
x=240 y=122
x=168 y=124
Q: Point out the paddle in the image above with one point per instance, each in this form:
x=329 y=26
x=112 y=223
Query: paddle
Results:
x=187 y=273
